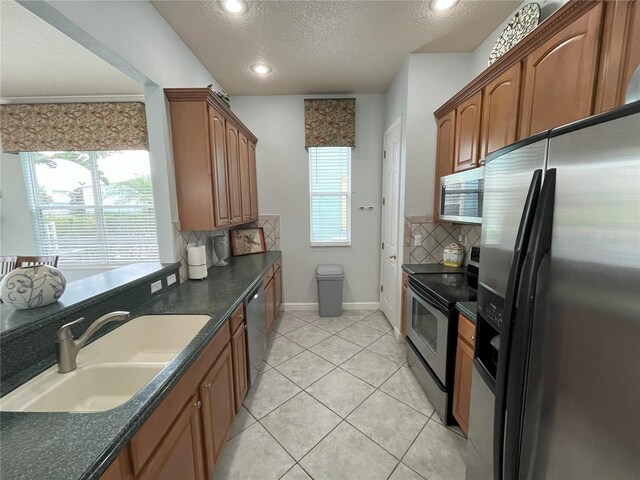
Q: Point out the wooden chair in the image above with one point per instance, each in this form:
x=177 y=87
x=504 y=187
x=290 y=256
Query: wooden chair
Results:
x=37 y=260
x=7 y=264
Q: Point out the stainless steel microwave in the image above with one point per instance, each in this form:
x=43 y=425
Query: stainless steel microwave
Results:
x=461 y=196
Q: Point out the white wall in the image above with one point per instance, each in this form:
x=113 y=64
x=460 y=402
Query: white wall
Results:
x=135 y=38
x=16 y=233
x=283 y=188
x=433 y=79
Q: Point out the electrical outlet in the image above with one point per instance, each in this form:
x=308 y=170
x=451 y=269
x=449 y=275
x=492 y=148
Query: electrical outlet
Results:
x=171 y=279
x=417 y=241
x=156 y=286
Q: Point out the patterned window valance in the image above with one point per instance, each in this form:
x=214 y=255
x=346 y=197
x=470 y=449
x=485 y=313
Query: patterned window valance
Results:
x=330 y=122
x=73 y=126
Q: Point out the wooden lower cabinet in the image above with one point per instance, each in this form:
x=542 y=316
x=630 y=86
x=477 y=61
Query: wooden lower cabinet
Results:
x=218 y=406
x=180 y=453
x=120 y=468
x=463 y=372
x=277 y=279
x=239 y=351
x=269 y=302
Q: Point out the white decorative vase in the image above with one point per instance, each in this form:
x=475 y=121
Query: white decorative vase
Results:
x=32 y=287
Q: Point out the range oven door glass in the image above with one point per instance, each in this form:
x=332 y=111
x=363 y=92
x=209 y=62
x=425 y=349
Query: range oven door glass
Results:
x=427 y=327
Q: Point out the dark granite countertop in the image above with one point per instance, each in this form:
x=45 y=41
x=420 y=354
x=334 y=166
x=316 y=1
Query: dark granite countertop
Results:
x=418 y=268
x=78 y=294
x=69 y=446
x=468 y=309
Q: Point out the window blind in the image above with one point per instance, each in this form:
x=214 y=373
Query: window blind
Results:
x=330 y=195
x=92 y=208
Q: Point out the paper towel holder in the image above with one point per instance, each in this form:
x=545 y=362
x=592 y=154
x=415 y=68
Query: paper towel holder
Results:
x=197 y=261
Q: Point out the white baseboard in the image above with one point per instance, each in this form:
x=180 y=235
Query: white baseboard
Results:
x=345 y=306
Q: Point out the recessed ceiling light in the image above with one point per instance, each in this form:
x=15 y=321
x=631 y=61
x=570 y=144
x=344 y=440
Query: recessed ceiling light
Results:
x=261 y=69
x=442 y=5
x=234 y=6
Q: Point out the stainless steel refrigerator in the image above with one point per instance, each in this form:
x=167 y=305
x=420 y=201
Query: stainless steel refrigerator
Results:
x=556 y=382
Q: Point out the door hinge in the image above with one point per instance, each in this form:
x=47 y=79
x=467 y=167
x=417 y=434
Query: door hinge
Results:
x=382 y=245
x=382 y=288
x=384 y=154
x=384 y=201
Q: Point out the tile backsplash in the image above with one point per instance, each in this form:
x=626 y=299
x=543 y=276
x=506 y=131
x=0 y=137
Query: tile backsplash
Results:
x=435 y=237
x=269 y=223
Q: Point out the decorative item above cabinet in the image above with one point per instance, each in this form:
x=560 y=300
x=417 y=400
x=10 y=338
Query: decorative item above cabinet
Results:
x=576 y=63
x=214 y=161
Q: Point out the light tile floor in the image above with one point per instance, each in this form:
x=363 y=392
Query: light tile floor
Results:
x=336 y=400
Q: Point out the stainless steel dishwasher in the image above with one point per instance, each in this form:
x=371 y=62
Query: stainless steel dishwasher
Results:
x=256 y=335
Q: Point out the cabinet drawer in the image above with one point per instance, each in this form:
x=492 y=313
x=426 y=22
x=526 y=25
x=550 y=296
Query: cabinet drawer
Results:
x=466 y=330
x=150 y=435
x=237 y=318
x=277 y=264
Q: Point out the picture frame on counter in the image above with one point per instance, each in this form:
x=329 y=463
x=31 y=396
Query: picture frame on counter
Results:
x=247 y=241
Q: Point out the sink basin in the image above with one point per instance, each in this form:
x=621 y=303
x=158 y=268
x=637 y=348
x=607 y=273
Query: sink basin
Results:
x=91 y=388
x=150 y=338
x=110 y=370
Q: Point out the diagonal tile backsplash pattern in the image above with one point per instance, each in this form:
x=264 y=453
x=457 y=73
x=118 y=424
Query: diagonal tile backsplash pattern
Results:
x=435 y=237
x=269 y=223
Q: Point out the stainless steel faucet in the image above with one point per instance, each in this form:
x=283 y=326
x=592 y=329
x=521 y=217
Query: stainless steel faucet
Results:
x=68 y=348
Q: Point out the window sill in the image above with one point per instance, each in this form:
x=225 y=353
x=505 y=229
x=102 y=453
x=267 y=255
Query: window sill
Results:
x=330 y=244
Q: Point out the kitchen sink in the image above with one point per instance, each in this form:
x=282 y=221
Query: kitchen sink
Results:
x=90 y=388
x=110 y=370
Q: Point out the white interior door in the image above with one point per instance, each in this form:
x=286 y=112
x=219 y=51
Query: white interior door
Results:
x=390 y=221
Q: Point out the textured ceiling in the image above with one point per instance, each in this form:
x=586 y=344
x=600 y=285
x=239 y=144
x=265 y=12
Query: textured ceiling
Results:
x=37 y=60
x=325 y=46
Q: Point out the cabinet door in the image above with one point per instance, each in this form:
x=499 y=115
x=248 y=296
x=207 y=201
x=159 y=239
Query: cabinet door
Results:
x=245 y=177
x=462 y=384
x=620 y=53
x=500 y=111
x=253 y=181
x=192 y=164
x=180 y=453
x=444 y=155
x=217 y=135
x=277 y=279
x=269 y=304
x=467 y=133
x=239 y=350
x=120 y=469
x=218 y=406
x=233 y=167
x=559 y=76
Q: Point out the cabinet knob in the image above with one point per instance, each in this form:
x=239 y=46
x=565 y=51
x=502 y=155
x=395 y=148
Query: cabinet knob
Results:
x=198 y=404
x=208 y=385
x=473 y=338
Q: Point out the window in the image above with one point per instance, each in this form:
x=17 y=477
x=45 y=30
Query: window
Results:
x=92 y=208
x=330 y=189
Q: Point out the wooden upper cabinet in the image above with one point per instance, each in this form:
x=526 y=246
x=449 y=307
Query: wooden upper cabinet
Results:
x=500 y=111
x=213 y=152
x=192 y=161
x=180 y=453
x=467 y=145
x=444 y=155
x=245 y=177
x=560 y=76
x=233 y=166
x=620 y=53
x=217 y=128
x=253 y=181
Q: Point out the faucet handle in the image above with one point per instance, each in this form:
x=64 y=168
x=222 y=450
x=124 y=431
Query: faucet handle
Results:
x=64 y=332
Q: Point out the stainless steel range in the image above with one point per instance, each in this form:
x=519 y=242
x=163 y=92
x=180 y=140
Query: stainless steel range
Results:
x=432 y=324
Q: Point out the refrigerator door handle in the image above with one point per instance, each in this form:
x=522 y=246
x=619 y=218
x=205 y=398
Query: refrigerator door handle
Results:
x=517 y=261
x=538 y=249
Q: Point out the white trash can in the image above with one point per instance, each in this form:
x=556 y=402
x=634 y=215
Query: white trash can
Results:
x=330 y=279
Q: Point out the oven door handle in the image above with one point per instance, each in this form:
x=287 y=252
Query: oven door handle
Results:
x=421 y=295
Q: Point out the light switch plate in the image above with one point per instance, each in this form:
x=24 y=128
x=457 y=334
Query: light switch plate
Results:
x=171 y=279
x=417 y=241
x=156 y=286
